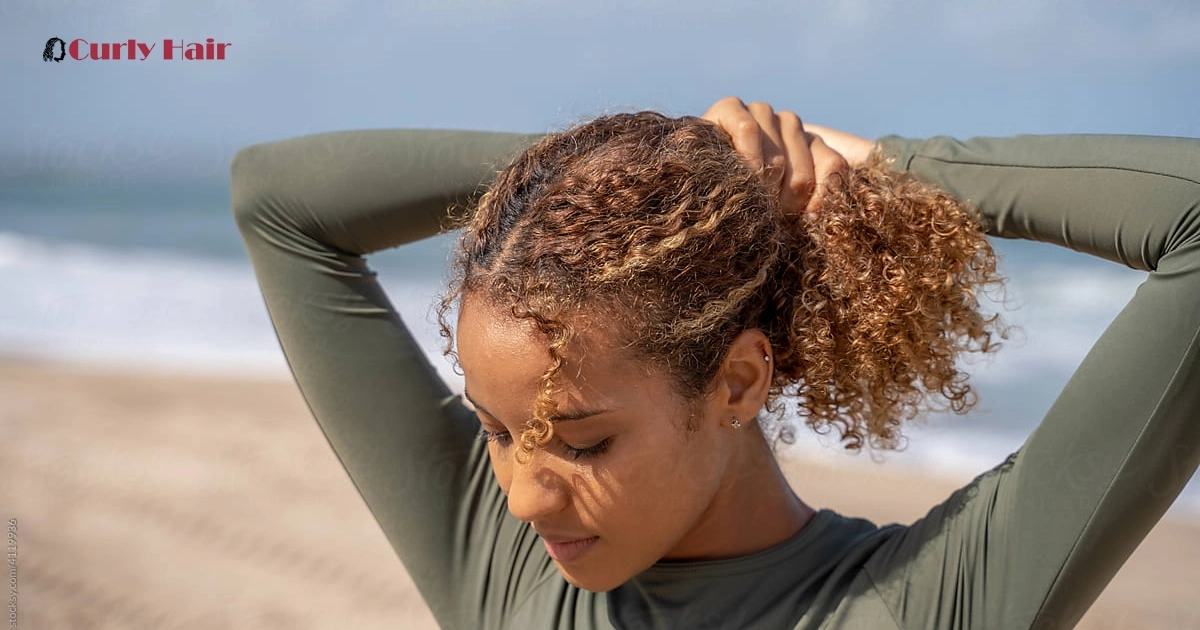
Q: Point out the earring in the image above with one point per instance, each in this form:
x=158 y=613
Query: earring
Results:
x=766 y=357
x=735 y=423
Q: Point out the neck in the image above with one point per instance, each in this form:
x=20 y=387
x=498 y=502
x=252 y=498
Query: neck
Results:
x=754 y=509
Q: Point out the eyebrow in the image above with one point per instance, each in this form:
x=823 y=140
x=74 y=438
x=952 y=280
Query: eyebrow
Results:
x=565 y=416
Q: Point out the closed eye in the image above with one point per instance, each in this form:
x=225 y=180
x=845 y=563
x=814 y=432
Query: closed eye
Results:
x=596 y=450
x=502 y=438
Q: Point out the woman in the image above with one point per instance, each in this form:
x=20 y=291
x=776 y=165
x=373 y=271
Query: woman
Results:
x=631 y=295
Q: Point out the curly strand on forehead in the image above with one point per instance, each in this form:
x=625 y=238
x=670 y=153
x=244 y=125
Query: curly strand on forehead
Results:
x=657 y=225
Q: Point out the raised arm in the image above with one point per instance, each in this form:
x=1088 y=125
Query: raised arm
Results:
x=309 y=209
x=1032 y=543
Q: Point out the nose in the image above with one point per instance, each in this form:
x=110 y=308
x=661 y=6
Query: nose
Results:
x=535 y=491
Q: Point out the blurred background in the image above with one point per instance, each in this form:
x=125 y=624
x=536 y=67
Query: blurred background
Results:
x=143 y=390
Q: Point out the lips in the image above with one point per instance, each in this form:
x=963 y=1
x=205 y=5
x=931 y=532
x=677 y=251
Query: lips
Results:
x=568 y=548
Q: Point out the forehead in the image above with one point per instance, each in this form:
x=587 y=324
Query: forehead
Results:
x=487 y=334
x=504 y=357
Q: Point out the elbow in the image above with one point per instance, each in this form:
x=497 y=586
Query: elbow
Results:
x=1190 y=223
x=1180 y=250
x=249 y=185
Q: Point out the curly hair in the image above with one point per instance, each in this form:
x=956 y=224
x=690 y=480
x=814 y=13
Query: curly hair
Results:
x=659 y=225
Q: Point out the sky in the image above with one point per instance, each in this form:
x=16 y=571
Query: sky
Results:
x=916 y=68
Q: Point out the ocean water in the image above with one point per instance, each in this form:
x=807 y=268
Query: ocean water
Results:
x=134 y=276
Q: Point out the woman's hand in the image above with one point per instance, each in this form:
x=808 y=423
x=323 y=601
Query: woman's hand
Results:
x=855 y=149
x=796 y=163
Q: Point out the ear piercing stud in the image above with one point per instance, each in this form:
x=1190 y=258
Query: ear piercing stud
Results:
x=735 y=423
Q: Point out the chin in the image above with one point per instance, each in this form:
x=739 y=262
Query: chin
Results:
x=590 y=581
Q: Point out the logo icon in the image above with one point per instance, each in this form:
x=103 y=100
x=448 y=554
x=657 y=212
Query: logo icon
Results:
x=48 y=54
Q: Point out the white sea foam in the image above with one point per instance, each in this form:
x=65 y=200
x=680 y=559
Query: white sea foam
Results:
x=79 y=302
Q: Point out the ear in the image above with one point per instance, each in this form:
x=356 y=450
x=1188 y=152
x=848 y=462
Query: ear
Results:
x=744 y=380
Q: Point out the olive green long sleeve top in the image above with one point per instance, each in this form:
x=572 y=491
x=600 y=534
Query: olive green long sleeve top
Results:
x=1028 y=544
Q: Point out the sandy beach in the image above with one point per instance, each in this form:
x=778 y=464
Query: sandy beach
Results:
x=159 y=501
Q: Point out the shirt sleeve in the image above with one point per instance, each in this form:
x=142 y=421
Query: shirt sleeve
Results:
x=1033 y=542
x=309 y=210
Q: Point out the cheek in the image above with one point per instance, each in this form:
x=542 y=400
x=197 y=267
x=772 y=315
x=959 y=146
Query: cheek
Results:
x=675 y=481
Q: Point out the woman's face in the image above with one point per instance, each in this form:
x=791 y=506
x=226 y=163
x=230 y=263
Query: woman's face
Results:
x=622 y=474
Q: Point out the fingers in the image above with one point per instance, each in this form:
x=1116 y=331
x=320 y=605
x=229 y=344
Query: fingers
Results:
x=792 y=161
x=827 y=164
x=731 y=114
x=855 y=149
x=758 y=135
x=799 y=181
x=775 y=164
